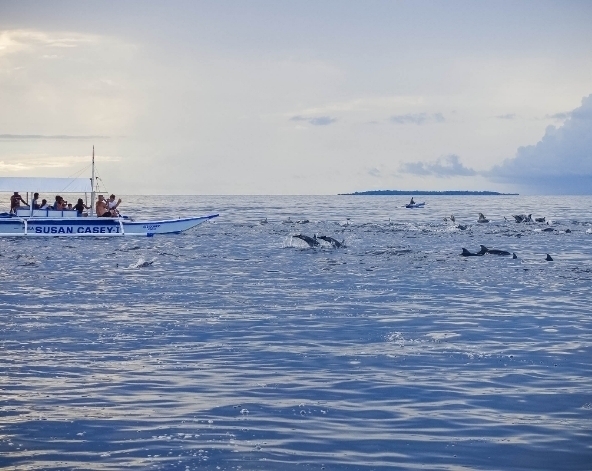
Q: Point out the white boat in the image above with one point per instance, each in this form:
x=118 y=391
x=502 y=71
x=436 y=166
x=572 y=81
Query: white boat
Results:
x=48 y=222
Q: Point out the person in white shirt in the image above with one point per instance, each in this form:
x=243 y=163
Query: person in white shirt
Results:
x=112 y=205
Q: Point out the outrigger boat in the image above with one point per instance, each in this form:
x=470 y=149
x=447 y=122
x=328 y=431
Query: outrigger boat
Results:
x=48 y=222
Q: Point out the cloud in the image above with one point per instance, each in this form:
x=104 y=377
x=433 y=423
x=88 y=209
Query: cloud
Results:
x=447 y=166
x=506 y=116
x=417 y=118
x=558 y=116
x=561 y=162
x=25 y=163
x=34 y=137
x=12 y=41
x=13 y=167
x=318 y=121
x=374 y=172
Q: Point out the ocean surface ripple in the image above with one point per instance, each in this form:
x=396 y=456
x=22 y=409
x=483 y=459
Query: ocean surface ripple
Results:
x=237 y=346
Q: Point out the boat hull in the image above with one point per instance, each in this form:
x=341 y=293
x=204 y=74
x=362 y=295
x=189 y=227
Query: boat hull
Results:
x=95 y=227
x=167 y=226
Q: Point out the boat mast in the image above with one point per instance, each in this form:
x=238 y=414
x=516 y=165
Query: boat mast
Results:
x=92 y=183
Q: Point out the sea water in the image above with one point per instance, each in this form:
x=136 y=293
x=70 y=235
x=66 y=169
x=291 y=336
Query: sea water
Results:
x=237 y=346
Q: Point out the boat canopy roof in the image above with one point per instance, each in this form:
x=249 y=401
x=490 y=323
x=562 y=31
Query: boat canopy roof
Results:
x=46 y=185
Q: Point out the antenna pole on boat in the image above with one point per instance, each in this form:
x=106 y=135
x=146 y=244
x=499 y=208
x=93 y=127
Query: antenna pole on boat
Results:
x=92 y=183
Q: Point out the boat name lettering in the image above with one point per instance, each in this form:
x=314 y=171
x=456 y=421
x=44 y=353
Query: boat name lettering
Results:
x=79 y=230
x=151 y=227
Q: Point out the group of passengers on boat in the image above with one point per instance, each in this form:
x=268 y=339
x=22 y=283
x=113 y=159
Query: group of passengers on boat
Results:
x=103 y=207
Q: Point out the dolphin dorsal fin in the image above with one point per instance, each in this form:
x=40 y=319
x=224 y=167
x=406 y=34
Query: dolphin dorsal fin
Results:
x=465 y=252
x=484 y=249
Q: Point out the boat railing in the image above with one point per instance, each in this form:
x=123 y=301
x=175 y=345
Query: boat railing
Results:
x=46 y=213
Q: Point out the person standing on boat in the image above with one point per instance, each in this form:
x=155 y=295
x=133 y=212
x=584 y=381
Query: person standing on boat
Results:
x=15 y=202
x=101 y=208
x=412 y=202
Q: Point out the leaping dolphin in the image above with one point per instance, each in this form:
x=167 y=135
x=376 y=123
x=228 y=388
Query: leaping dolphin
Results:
x=334 y=242
x=494 y=251
x=311 y=241
x=482 y=218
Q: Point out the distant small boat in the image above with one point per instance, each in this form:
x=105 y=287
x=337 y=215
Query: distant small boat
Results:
x=415 y=205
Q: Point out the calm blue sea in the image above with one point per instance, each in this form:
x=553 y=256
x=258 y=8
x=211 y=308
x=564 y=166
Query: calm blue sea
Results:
x=235 y=346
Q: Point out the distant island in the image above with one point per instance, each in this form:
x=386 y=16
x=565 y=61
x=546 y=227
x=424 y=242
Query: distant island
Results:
x=428 y=193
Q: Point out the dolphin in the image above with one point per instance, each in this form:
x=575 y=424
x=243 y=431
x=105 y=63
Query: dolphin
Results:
x=334 y=242
x=523 y=218
x=141 y=263
x=539 y=219
x=514 y=256
x=549 y=258
x=462 y=227
x=466 y=253
x=311 y=241
x=548 y=229
x=482 y=218
x=494 y=251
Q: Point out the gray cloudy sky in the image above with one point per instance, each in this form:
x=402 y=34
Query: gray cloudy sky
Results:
x=302 y=97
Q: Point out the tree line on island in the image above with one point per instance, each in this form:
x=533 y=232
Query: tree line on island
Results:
x=427 y=193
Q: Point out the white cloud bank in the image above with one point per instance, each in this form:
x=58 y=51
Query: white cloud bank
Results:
x=560 y=163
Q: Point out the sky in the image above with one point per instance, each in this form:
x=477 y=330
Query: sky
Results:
x=302 y=97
